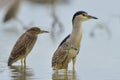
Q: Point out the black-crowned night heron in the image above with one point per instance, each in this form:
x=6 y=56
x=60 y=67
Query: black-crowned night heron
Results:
x=61 y=58
x=24 y=45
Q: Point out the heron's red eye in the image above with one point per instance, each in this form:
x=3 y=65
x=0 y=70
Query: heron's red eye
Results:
x=84 y=14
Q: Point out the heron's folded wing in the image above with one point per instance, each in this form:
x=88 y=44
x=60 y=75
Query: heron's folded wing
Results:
x=60 y=55
x=20 y=47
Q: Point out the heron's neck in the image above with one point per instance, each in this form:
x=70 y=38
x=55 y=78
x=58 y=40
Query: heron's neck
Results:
x=76 y=34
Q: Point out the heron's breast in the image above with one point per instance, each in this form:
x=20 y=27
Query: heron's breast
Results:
x=73 y=53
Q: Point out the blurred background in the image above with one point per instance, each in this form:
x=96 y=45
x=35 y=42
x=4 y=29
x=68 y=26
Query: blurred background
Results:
x=99 y=57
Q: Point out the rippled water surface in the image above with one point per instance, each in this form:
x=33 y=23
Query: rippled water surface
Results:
x=99 y=57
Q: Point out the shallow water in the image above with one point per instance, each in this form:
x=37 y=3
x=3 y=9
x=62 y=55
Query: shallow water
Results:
x=99 y=57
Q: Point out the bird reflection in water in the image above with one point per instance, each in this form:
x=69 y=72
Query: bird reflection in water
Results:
x=21 y=73
x=70 y=75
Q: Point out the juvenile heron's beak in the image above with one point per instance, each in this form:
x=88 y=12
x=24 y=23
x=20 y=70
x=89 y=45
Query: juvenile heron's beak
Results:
x=43 y=31
x=92 y=17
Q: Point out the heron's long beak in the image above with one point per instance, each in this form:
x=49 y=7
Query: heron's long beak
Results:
x=43 y=31
x=92 y=17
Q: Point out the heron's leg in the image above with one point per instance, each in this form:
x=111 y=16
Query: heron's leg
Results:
x=56 y=70
x=25 y=61
x=66 y=69
x=21 y=61
x=74 y=61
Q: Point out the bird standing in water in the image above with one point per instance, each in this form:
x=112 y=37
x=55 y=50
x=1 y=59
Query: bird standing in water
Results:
x=61 y=58
x=24 y=45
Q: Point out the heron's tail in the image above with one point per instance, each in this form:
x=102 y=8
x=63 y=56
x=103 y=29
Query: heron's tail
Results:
x=10 y=62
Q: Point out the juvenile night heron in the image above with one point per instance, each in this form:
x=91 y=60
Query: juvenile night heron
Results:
x=24 y=45
x=61 y=58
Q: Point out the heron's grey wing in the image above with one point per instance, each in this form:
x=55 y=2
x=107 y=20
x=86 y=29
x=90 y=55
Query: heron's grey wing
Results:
x=64 y=40
x=20 y=47
x=60 y=55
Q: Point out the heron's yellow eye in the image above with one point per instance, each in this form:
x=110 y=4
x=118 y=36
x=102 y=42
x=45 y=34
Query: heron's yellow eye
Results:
x=36 y=30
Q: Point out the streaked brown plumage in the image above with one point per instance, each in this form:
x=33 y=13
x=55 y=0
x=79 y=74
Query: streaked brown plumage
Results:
x=24 y=45
x=62 y=56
